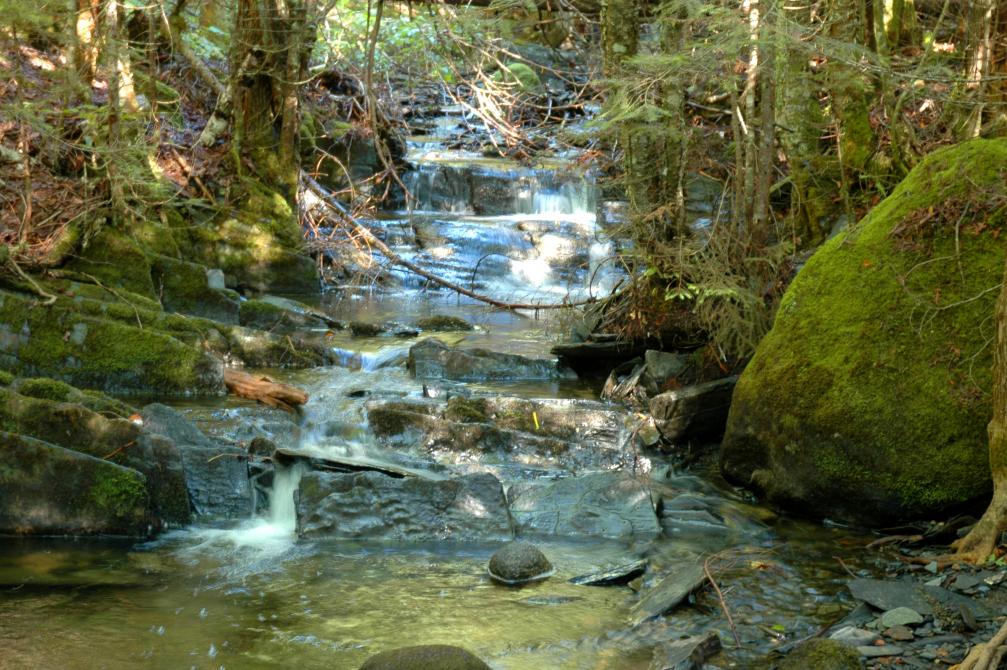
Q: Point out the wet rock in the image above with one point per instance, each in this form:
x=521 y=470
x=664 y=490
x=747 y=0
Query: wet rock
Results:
x=668 y=593
x=216 y=474
x=362 y=329
x=601 y=504
x=854 y=636
x=519 y=563
x=321 y=459
x=888 y=595
x=821 y=654
x=425 y=657
x=693 y=412
x=620 y=574
x=443 y=323
x=49 y=490
x=432 y=359
x=688 y=654
x=899 y=633
x=261 y=349
x=375 y=506
x=639 y=380
x=900 y=616
x=280 y=315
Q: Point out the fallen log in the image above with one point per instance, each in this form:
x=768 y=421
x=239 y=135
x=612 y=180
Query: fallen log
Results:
x=264 y=390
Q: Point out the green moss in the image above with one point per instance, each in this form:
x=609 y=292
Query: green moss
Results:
x=46 y=389
x=116 y=261
x=261 y=314
x=869 y=398
x=182 y=287
x=59 y=342
x=467 y=410
x=119 y=493
x=6 y=378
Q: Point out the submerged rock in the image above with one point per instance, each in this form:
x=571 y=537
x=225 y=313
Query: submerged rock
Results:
x=375 y=506
x=688 y=654
x=440 y=322
x=425 y=657
x=600 y=504
x=869 y=398
x=432 y=359
x=519 y=563
x=49 y=490
x=620 y=574
x=669 y=593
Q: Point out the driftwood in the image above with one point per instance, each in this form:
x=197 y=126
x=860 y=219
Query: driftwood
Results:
x=264 y=390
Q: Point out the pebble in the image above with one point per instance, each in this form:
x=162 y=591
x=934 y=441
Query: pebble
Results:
x=899 y=633
x=853 y=636
x=872 y=651
x=900 y=616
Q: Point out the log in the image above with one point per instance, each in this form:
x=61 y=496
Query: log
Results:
x=264 y=390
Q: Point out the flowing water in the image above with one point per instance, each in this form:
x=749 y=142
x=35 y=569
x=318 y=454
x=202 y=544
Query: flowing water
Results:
x=252 y=595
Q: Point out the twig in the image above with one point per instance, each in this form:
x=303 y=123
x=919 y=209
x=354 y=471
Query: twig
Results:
x=845 y=567
x=119 y=449
x=723 y=603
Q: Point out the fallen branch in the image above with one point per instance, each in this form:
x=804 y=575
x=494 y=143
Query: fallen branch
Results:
x=723 y=603
x=373 y=239
x=264 y=390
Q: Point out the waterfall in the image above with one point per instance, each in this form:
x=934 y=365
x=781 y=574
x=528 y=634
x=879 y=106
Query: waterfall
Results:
x=282 y=510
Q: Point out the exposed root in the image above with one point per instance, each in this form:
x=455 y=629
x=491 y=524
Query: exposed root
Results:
x=986 y=656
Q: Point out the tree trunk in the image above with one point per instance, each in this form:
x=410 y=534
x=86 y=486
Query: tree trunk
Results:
x=979 y=544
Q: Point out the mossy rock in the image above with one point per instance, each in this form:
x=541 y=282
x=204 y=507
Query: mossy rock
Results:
x=116 y=260
x=869 y=398
x=50 y=490
x=522 y=76
x=467 y=410
x=61 y=342
x=442 y=323
x=821 y=654
x=44 y=388
x=183 y=288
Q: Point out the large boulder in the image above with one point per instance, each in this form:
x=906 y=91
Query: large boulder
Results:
x=869 y=398
x=49 y=490
x=373 y=505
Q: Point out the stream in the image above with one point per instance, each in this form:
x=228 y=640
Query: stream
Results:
x=251 y=594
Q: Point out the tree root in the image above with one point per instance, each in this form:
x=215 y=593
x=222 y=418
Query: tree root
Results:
x=986 y=656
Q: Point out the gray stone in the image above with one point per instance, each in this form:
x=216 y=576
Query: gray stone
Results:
x=853 y=636
x=693 y=412
x=620 y=574
x=519 y=563
x=688 y=654
x=900 y=616
x=216 y=474
x=602 y=504
x=668 y=593
x=425 y=657
x=432 y=359
x=875 y=651
x=899 y=633
x=49 y=490
x=664 y=366
x=372 y=505
x=215 y=279
x=887 y=595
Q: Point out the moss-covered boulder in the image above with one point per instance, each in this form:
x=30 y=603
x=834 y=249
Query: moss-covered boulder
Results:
x=869 y=398
x=66 y=342
x=183 y=288
x=113 y=440
x=114 y=259
x=49 y=490
x=820 y=654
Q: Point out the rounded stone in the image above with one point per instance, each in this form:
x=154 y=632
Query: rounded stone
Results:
x=519 y=563
x=425 y=657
